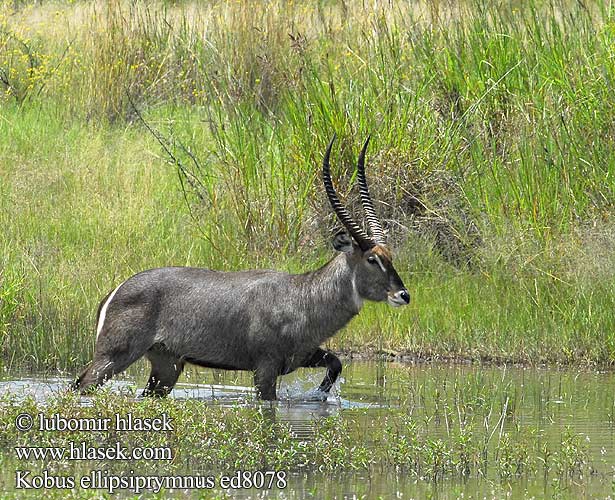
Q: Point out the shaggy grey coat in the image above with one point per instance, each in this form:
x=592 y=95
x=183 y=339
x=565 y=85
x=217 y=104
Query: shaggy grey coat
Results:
x=265 y=321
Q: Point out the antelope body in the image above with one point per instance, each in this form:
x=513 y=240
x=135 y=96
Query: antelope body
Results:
x=265 y=321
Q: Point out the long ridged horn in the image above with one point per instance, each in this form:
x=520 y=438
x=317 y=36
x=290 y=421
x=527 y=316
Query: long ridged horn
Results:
x=353 y=228
x=375 y=228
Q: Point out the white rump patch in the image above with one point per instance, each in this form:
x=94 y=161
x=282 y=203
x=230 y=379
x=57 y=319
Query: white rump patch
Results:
x=103 y=311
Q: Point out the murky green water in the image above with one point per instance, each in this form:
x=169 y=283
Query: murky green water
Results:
x=546 y=404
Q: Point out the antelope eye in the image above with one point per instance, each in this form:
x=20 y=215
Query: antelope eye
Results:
x=371 y=259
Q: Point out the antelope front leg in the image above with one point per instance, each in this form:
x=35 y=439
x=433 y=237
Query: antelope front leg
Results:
x=265 y=377
x=320 y=357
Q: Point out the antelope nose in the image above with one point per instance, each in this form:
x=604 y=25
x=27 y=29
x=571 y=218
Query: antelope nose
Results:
x=405 y=296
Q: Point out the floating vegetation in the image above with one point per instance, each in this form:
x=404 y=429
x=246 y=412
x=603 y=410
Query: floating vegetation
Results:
x=449 y=425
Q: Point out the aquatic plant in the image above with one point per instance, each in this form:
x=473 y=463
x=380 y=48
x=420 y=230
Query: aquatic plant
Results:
x=493 y=126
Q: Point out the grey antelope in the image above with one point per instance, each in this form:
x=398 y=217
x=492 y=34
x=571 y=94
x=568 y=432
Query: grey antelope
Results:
x=265 y=321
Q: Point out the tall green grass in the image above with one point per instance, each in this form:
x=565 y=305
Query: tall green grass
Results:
x=492 y=156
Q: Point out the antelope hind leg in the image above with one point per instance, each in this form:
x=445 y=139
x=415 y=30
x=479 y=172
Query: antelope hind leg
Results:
x=166 y=369
x=109 y=359
x=99 y=371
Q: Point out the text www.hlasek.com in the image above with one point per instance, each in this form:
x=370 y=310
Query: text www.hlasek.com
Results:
x=82 y=451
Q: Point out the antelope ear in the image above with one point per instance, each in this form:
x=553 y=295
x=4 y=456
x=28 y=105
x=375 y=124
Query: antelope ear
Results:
x=342 y=242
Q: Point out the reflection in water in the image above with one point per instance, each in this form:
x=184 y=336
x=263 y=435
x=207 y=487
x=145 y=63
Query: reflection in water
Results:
x=547 y=401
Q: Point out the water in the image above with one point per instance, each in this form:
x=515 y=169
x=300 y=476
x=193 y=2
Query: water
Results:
x=551 y=403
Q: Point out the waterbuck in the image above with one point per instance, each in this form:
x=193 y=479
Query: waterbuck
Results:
x=268 y=322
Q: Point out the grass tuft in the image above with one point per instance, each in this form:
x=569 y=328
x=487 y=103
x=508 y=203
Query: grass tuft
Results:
x=492 y=157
